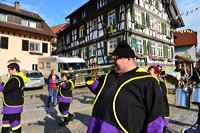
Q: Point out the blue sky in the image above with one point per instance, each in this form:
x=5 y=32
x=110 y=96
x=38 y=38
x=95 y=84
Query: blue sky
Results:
x=55 y=11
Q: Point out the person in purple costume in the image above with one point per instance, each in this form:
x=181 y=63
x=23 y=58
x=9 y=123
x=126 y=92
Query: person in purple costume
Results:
x=13 y=99
x=128 y=99
x=65 y=98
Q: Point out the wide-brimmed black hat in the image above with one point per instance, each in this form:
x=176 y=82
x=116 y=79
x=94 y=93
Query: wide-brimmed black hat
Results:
x=124 y=50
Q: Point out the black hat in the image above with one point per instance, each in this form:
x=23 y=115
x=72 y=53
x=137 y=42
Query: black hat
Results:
x=124 y=50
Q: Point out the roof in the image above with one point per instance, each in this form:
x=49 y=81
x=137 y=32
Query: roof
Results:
x=185 y=38
x=45 y=30
x=20 y=11
x=60 y=27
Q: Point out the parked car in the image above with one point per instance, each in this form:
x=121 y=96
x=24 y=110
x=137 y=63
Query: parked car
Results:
x=36 y=79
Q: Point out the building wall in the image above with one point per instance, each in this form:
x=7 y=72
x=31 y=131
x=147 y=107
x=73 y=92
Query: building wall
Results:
x=15 y=51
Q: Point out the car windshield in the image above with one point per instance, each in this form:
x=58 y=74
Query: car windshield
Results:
x=33 y=75
x=75 y=66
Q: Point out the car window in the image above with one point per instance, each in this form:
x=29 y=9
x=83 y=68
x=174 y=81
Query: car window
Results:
x=33 y=75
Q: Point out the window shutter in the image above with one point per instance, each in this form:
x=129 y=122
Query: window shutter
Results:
x=162 y=26
x=119 y=39
x=133 y=15
x=79 y=53
x=88 y=52
x=157 y=5
x=143 y=18
x=105 y=48
x=171 y=33
x=44 y=47
x=4 y=42
x=105 y=20
x=25 y=45
x=77 y=33
x=117 y=15
x=165 y=51
x=148 y=20
x=70 y=37
x=145 y=47
x=149 y=47
x=150 y=2
x=85 y=30
x=172 y=52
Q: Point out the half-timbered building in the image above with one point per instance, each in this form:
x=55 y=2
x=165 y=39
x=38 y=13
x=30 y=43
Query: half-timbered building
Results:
x=97 y=26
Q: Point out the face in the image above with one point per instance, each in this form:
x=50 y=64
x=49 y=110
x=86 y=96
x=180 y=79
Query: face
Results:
x=53 y=73
x=64 y=77
x=120 y=65
x=12 y=71
x=151 y=71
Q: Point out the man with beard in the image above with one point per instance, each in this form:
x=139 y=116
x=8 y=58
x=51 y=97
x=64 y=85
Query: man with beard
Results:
x=128 y=99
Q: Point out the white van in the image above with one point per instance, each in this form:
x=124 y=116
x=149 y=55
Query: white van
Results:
x=59 y=64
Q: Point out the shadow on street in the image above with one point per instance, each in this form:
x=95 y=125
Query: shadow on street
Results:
x=51 y=122
x=83 y=118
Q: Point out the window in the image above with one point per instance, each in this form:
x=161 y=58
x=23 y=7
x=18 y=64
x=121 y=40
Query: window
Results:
x=139 y=47
x=74 y=20
x=138 y=16
x=4 y=42
x=32 y=24
x=84 y=52
x=93 y=50
x=25 y=45
x=2 y=17
x=101 y=3
x=35 y=67
x=153 y=46
x=35 y=47
x=169 y=52
x=159 y=27
x=24 y=22
x=68 y=38
x=84 y=13
x=112 y=46
x=151 y=23
x=94 y=24
x=45 y=47
x=168 y=31
x=81 y=31
x=160 y=50
x=111 y=18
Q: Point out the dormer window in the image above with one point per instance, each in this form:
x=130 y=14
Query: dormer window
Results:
x=74 y=20
x=101 y=3
x=32 y=24
x=84 y=13
x=24 y=22
x=2 y=17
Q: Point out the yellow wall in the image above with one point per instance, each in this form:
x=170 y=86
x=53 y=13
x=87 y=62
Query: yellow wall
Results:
x=15 y=50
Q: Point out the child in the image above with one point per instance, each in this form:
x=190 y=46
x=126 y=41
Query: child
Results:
x=65 y=98
x=154 y=71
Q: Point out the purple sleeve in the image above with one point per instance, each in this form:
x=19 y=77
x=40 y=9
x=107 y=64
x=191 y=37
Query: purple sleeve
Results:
x=2 y=86
x=156 y=126
x=63 y=85
x=94 y=85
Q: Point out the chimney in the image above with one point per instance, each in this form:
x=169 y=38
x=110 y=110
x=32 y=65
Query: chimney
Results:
x=17 y=4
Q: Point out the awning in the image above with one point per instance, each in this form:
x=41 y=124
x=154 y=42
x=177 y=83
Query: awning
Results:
x=184 y=59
